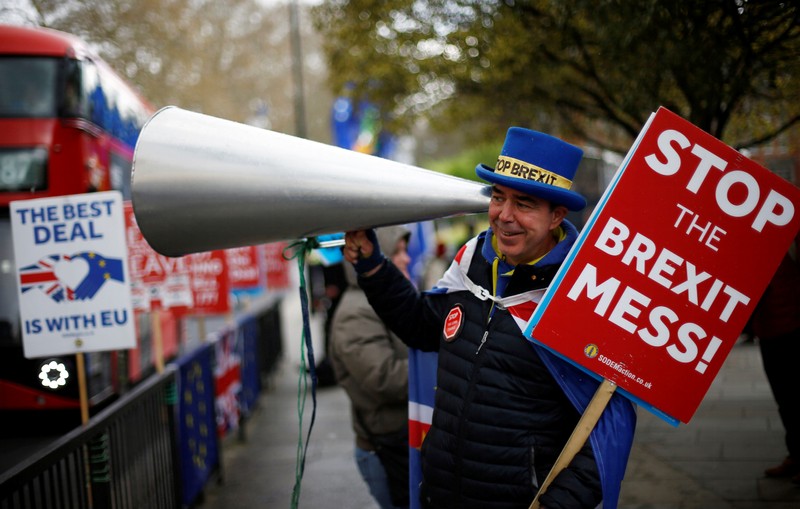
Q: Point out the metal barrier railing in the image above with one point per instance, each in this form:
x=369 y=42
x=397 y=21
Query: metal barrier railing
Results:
x=158 y=445
x=125 y=457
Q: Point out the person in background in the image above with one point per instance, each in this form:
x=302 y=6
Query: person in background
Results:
x=776 y=324
x=335 y=282
x=504 y=407
x=371 y=364
x=436 y=266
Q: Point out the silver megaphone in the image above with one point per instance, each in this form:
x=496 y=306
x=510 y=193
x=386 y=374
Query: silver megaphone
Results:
x=201 y=183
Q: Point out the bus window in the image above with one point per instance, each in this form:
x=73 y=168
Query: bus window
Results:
x=120 y=173
x=72 y=102
x=94 y=95
x=9 y=305
x=32 y=92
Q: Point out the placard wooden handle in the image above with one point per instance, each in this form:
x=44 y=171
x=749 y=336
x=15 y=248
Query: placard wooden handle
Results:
x=579 y=435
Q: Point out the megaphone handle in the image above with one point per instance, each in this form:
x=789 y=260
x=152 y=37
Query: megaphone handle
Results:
x=330 y=243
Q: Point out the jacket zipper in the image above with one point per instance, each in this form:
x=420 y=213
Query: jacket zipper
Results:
x=465 y=411
x=483 y=340
x=485 y=334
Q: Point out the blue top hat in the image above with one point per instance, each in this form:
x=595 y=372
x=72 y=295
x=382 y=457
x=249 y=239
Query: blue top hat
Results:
x=537 y=164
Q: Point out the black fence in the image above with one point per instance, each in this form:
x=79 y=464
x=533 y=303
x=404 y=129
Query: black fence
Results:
x=158 y=445
x=124 y=458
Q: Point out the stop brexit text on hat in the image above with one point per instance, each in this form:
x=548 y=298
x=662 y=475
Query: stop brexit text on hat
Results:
x=669 y=267
x=538 y=164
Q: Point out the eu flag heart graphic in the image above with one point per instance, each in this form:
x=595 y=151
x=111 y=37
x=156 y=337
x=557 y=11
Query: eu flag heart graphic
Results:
x=71 y=277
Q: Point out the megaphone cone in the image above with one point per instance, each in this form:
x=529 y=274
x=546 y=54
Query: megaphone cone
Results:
x=201 y=183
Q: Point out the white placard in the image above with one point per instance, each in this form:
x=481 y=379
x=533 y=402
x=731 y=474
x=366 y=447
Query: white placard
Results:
x=72 y=274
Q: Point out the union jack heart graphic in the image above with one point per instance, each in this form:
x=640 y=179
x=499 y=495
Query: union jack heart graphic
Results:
x=66 y=278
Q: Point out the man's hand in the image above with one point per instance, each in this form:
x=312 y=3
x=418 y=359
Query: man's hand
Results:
x=356 y=245
x=362 y=250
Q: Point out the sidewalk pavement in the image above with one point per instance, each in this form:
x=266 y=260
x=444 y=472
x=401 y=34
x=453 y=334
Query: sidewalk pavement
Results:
x=714 y=462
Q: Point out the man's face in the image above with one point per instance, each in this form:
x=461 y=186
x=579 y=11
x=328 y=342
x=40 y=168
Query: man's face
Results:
x=523 y=224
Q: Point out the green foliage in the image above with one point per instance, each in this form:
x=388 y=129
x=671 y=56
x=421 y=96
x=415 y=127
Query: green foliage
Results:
x=463 y=164
x=594 y=69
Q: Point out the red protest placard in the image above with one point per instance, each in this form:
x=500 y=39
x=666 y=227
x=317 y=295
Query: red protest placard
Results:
x=196 y=283
x=244 y=267
x=276 y=266
x=210 y=283
x=157 y=281
x=670 y=266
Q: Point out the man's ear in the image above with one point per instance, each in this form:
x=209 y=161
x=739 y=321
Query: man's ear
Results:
x=559 y=213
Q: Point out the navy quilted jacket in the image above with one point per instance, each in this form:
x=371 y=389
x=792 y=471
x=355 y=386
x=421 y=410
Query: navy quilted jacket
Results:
x=500 y=419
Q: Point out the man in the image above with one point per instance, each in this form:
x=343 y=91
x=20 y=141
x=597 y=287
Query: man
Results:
x=371 y=364
x=504 y=406
x=776 y=322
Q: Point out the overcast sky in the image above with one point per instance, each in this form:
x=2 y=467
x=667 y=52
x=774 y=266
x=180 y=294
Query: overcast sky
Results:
x=16 y=12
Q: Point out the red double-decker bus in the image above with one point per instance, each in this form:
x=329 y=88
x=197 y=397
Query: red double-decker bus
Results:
x=68 y=125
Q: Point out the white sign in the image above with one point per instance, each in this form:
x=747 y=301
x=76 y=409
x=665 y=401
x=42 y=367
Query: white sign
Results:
x=72 y=274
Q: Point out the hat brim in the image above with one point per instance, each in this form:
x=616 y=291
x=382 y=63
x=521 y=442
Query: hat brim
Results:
x=570 y=199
